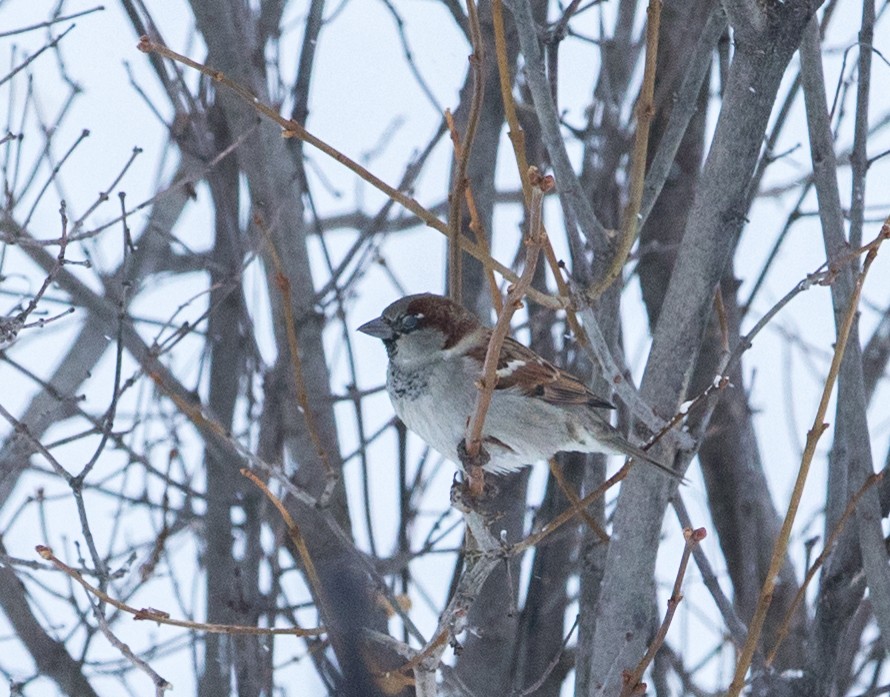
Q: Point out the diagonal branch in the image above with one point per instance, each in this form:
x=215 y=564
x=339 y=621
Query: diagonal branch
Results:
x=815 y=433
x=292 y=129
x=534 y=243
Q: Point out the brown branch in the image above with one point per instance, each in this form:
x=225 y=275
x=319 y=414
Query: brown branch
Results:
x=473 y=458
x=437 y=642
x=818 y=428
x=296 y=537
x=595 y=527
x=162 y=617
x=460 y=184
x=631 y=679
x=817 y=564
x=514 y=128
x=517 y=140
x=283 y=284
x=569 y=513
x=737 y=629
x=292 y=129
x=644 y=111
x=475 y=224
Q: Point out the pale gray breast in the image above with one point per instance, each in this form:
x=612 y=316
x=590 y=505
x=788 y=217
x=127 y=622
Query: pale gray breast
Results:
x=434 y=402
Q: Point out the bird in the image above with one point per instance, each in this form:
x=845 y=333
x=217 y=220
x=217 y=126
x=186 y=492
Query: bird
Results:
x=436 y=350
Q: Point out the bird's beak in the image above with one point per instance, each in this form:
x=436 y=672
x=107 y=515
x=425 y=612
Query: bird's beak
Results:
x=378 y=328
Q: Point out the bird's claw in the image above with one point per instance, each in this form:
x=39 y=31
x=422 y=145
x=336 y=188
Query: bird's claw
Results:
x=474 y=467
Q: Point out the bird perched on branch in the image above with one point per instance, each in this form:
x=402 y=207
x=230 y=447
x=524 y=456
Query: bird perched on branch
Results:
x=436 y=352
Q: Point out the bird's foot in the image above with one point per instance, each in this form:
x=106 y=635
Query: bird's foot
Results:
x=474 y=467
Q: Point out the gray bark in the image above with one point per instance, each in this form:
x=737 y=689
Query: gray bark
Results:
x=765 y=43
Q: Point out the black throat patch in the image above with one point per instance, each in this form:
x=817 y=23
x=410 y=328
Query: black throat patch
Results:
x=407 y=384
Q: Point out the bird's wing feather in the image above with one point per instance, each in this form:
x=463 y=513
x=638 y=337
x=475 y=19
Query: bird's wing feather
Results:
x=522 y=370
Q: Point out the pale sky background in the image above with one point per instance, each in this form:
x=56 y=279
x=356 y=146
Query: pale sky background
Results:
x=360 y=89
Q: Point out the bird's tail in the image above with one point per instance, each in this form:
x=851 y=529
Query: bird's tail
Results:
x=636 y=453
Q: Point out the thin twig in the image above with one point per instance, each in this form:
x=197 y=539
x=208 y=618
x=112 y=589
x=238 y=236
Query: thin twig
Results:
x=475 y=224
x=567 y=515
x=632 y=685
x=409 y=58
x=560 y=28
x=817 y=564
x=50 y=22
x=161 y=684
x=162 y=617
x=459 y=184
x=9 y=328
x=84 y=134
x=32 y=58
x=644 y=110
x=535 y=686
x=517 y=140
x=600 y=354
x=595 y=527
x=104 y=195
x=813 y=435
x=108 y=420
x=737 y=629
x=488 y=381
x=283 y=283
x=292 y=129
x=296 y=537
x=514 y=129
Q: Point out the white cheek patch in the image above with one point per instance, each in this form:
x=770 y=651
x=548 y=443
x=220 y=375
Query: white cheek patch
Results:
x=510 y=368
x=462 y=347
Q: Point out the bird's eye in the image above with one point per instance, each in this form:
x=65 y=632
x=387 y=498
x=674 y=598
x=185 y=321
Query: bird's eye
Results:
x=409 y=323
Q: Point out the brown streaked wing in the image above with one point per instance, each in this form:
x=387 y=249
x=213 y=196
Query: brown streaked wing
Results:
x=541 y=379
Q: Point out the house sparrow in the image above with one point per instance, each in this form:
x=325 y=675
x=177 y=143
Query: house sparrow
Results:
x=436 y=351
